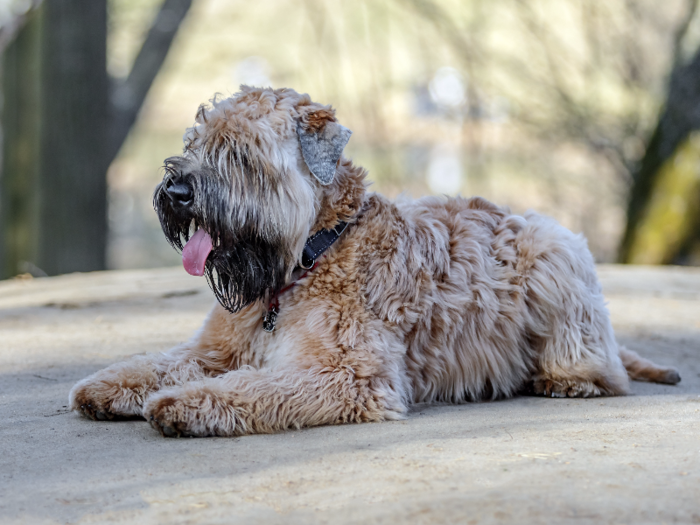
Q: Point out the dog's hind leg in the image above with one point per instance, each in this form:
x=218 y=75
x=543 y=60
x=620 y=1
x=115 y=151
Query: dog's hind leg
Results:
x=640 y=369
x=576 y=354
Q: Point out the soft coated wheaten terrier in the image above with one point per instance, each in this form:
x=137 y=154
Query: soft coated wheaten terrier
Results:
x=336 y=305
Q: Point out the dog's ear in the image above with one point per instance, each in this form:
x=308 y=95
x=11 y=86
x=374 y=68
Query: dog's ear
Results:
x=322 y=141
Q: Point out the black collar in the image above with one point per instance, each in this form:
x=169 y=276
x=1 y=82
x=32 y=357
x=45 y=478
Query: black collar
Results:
x=315 y=245
x=318 y=243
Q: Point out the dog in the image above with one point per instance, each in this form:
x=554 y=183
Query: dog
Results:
x=337 y=305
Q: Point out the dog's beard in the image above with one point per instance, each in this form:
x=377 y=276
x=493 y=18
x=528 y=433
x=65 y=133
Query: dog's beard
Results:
x=242 y=268
x=245 y=271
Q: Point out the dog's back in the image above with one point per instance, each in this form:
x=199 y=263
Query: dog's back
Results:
x=488 y=303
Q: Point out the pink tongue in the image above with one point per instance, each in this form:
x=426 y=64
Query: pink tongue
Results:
x=195 y=252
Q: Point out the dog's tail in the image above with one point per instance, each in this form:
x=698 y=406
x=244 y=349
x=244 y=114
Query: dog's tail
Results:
x=640 y=369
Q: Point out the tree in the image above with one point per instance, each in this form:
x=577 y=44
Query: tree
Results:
x=64 y=121
x=663 y=214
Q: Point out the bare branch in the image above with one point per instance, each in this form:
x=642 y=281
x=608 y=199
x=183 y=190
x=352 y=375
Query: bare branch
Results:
x=128 y=95
x=452 y=33
x=10 y=30
x=682 y=31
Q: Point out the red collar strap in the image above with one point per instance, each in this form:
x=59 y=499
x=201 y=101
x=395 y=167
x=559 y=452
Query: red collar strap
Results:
x=270 y=318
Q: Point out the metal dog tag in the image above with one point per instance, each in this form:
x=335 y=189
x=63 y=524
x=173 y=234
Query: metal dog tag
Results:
x=270 y=319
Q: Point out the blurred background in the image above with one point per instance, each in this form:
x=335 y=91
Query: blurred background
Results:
x=584 y=110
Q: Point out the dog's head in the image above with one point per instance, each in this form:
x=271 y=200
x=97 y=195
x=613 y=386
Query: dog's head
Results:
x=260 y=172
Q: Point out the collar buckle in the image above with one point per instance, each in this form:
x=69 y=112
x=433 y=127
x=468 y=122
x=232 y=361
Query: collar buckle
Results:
x=318 y=243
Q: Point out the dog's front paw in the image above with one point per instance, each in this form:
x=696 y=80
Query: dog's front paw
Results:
x=113 y=393
x=193 y=411
x=172 y=417
x=93 y=400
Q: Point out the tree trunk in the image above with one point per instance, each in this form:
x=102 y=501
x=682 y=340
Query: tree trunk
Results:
x=63 y=125
x=680 y=117
x=672 y=210
x=72 y=174
x=19 y=200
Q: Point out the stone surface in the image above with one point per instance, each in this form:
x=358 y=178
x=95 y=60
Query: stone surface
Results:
x=632 y=459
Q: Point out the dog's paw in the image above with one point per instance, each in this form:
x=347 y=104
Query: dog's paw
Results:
x=172 y=417
x=92 y=401
x=565 y=388
x=107 y=396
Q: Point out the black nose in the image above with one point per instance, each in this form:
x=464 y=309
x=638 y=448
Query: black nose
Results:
x=180 y=194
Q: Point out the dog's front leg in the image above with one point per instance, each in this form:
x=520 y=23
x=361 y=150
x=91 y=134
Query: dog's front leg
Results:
x=249 y=401
x=121 y=389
